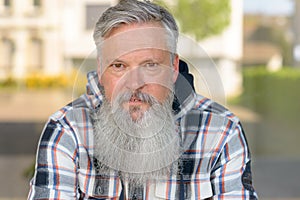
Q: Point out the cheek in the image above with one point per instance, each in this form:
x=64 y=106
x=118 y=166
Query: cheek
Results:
x=113 y=85
x=159 y=92
x=107 y=92
x=109 y=84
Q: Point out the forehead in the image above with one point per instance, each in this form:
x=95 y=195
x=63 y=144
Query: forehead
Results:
x=143 y=55
x=129 y=27
x=129 y=38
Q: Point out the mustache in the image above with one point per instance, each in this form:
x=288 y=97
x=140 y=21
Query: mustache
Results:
x=136 y=96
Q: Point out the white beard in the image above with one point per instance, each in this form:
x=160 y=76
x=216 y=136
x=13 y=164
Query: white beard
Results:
x=143 y=150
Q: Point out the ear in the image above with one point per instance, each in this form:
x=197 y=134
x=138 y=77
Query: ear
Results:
x=175 y=67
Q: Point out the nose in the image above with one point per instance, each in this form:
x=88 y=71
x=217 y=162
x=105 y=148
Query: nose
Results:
x=134 y=79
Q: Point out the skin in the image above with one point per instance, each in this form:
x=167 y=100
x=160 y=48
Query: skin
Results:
x=148 y=70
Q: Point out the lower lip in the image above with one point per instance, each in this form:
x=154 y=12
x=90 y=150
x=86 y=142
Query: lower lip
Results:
x=135 y=102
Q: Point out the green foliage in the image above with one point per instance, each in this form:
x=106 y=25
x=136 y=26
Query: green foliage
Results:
x=29 y=171
x=275 y=97
x=9 y=82
x=41 y=81
x=75 y=80
x=201 y=18
x=273 y=94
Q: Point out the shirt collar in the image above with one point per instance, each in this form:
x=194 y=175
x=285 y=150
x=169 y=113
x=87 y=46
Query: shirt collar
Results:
x=187 y=104
x=94 y=89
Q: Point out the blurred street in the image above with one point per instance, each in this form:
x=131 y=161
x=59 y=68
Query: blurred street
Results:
x=22 y=117
x=17 y=148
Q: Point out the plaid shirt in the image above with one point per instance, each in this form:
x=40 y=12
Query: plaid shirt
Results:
x=216 y=163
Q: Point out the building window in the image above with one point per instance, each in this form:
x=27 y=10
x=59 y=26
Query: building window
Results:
x=6 y=55
x=35 y=58
x=5 y=7
x=35 y=8
x=92 y=13
x=7 y=3
x=37 y=3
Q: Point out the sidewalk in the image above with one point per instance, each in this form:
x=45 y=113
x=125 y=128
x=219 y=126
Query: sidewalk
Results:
x=31 y=106
x=13 y=184
x=22 y=115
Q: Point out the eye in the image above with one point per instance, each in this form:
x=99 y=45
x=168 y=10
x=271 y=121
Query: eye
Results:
x=117 y=67
x=151 y=66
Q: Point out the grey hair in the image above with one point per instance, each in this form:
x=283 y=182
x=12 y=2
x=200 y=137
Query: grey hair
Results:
x=134 y=11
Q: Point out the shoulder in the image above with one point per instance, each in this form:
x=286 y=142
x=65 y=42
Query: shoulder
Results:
x=73 y=110
x=70 y=125
x=209 y=118
x=207 y=106
x=71 y=121
x=211 y=126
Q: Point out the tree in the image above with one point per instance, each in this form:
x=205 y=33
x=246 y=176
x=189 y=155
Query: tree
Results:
x=201 y=18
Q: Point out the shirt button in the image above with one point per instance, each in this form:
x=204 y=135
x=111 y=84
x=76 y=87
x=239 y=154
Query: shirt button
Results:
x=134 y=197
x=100 y=190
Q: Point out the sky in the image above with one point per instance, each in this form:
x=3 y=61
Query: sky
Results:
x=269 y=7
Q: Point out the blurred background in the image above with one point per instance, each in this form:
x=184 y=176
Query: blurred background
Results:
x=46 y=47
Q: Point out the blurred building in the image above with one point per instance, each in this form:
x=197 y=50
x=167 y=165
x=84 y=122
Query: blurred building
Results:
x=52 y=36
x=43 y=36
x=267 y=40
x=29 y=37
x=226 y=51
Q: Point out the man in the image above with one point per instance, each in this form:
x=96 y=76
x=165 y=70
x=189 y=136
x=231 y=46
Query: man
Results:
x=141 y=132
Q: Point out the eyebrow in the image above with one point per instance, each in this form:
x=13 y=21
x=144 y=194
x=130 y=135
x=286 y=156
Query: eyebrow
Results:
x=142 y=62
x=149 y=60
x=117 y=60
